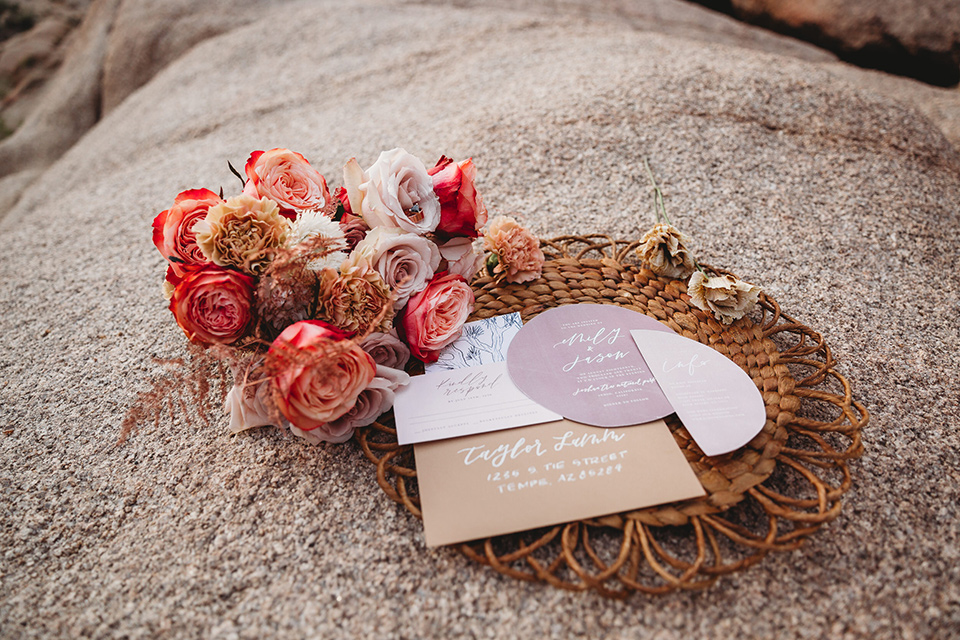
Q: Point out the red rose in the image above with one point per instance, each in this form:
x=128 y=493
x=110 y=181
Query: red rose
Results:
x=434 y=316
x=213 y=305
x=173 y=229
x=318 y=374
x=461 y=208
x=287 y=178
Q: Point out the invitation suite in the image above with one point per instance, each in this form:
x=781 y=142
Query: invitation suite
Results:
x=580 y=361
x=495 y=483
x=482 y=342
x=468 y=389
x=448 y=404
x=715 y=399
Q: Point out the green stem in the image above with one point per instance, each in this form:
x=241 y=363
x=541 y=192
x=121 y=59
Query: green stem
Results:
x=658 y=206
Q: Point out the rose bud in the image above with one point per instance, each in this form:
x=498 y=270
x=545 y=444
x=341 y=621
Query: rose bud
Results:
x=461 y=208
x=318 y=373
x=286 y=178
x=173 y=228
x=213 y=305
x=435 y=316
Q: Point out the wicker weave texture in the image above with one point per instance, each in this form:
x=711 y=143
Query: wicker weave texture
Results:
x=769 y=495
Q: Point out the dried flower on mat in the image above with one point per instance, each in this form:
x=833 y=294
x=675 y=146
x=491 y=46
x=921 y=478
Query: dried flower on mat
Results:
x=664 y=250
x=727 y=297
x=517 y=254
x=242 y=232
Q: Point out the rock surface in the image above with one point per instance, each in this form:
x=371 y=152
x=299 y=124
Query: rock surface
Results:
x=916 y=38
x=842 y=204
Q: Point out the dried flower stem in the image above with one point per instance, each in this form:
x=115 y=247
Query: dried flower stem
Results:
x=658 y=207
x=661 y=210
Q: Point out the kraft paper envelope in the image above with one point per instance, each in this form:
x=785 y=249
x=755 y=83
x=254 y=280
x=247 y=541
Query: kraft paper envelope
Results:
x=508 y=481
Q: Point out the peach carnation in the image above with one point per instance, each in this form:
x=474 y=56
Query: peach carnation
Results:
x=519 y=258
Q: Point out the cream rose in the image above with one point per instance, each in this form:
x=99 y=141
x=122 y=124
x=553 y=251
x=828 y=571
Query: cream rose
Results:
x=248 y=406
x=397 y=192
x=727 y=297
x=406 y=261
x=461 y=257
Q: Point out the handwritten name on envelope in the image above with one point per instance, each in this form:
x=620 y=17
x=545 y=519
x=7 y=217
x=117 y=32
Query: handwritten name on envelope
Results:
x=495 y=483
x=449 y=404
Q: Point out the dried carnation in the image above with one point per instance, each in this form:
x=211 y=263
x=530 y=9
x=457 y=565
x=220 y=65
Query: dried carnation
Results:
x=242 y=232
x=727 y=297
x=357 y=300
x=664 y=250
x=519 y=258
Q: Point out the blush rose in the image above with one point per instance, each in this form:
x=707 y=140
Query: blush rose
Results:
x=435 y=316
x=318 y=373
x=213 y=305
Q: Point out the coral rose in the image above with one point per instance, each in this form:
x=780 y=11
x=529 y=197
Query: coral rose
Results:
x=318 y=372
x=435 y=316
x=173 y=233
x=213 y=305
x=727 y=297
x=519 y=257
x=396 y=192
x=461 y=208
x=287 y=178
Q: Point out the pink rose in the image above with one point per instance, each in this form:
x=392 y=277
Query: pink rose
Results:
x=387 y=349
x=461 y=208
x=435 y=316
x=318 y=375
x=354 y=229
x=286 y=178
x=213 y=305
x=406 y=261
x=173 y=229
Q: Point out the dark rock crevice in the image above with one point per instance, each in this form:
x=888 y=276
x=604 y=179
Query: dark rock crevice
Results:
x=926 y=49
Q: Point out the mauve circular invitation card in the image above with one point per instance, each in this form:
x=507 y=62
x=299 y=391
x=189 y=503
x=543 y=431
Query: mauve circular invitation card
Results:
x=580 y=361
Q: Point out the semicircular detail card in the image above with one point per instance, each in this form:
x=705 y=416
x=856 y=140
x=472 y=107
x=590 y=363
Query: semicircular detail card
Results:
x=579 y=361
x=715 y=399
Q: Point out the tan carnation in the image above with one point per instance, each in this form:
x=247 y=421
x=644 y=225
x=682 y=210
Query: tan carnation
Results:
x=664 y=250
x=518 y=251
x=358 y=300
x=242 y=232
x=727 y=297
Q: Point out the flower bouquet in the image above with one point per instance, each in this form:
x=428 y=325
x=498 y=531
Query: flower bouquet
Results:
x=318 y=300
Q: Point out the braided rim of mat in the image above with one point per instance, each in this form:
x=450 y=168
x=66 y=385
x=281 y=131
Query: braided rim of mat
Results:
x=768 y=496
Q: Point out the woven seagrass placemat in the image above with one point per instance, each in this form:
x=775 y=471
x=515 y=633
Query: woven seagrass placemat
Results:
x=770 y=495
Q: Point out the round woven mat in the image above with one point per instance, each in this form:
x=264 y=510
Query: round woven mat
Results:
x=767 y=496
